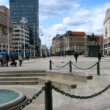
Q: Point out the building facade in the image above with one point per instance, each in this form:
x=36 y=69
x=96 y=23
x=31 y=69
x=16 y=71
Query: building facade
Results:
x=69 y=43
x=20 y=39
x=106 y=44
x=94 y=45
x=30 y=10
x=45 y=51
x=5 y=30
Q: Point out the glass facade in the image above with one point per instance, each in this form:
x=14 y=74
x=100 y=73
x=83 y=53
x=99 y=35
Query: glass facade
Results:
x=30 y=10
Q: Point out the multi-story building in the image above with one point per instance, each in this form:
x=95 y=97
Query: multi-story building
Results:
x=28 y=9
x=45 y=51
x=20 y=38
x=106 y=44
x=69 y=43
x=5 y=30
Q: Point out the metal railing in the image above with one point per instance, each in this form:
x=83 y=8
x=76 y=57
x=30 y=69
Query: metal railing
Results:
x=48 y=96
x=29 y=101
x=70 y=63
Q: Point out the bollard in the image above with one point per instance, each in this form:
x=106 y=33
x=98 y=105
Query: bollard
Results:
x=98 y=68
x=50 y=65
x=48 y=96
x=70 y=66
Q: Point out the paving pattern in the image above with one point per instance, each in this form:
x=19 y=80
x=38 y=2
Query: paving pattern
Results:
x=60 y=102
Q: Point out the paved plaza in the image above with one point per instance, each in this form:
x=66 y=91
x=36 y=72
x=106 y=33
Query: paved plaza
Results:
x=60 y=102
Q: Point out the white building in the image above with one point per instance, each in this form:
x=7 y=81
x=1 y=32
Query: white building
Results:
x=45 y=51
x=20 y=38
x=106 y=44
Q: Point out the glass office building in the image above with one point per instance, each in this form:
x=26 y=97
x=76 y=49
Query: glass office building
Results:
x=30 y=10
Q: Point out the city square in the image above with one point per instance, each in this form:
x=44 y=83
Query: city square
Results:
x=92 y=86
x=54 y=55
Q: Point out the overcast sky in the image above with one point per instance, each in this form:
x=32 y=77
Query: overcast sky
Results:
x=58 y=16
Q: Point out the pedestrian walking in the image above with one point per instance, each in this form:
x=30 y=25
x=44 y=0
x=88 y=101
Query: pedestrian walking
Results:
x=7 y=59
x=99 y=56
x=76 y=56
x=4 y=60
x=20 y=58
x=13 y=58
x=1 y=59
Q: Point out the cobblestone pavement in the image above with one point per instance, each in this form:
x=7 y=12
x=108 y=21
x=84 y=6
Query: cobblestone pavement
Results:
x=60 y=102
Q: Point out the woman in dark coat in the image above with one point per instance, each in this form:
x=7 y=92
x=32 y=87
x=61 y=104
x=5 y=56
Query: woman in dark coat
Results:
x=13 y=58
x=76 y=56
x=7 y=59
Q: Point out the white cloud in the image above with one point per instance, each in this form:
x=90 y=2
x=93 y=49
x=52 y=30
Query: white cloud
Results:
x=56 y=7
x=82 y=12
x=76 y=5
x=4 y=2
x=107 y=5
x=82 y=20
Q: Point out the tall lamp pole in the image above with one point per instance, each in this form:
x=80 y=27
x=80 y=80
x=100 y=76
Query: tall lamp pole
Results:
x=34 y=43
x=8 y=26
x=24 y=21
x=85 y=45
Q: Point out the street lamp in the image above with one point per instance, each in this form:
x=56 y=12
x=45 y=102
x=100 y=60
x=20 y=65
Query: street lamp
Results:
x=85 y=45
x=8 y=26
x=34 y=42
x=24 y=21
x=18 y=47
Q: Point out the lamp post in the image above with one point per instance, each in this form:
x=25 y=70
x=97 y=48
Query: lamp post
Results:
x=18 y=47
x=8 y=26
x=34 y=43
x=85 y=45
x=24 y=21
x=103 y=49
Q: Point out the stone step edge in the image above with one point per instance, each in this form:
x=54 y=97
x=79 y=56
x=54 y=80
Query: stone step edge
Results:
x=18 y=78
x=69 y=73
x=19 y=83
x=21 y=75
x=44 y=80
x=70 y=76
x=24 y=71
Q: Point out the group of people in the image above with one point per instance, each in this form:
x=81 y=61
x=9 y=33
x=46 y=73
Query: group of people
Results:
x=5 y=59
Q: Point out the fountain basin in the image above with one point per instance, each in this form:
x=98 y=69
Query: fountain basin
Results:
x=10 y=98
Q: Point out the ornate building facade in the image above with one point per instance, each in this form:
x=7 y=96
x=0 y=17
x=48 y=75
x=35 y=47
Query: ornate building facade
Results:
x=106 y=44
x=69 y=43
